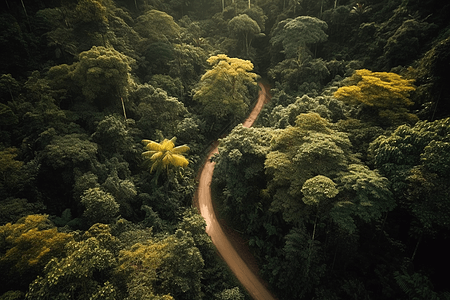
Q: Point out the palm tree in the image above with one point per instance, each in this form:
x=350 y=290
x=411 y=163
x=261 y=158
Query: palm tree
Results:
x=164 y=154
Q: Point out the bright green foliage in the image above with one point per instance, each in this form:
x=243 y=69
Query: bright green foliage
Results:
x=298 y=154
x=388 y=93
x=230 y=294
x=317 y=189
x=100 y=207
x=139 y=266
x=83 y=273
x=172 y=265
x=327 y=107
x=245 y=28
x=27 y=246
x=222 y=90
x=156 y=26
x=295 y=35
x=165 y=154
x=103 y=72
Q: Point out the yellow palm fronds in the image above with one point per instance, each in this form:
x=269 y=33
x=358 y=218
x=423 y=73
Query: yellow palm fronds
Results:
x=165 y=154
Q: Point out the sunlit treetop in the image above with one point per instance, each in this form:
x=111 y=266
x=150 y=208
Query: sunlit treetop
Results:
x=91 y=10
x=165 y=154
x=380 y=89
x=223 y=90
x=388 y=92
x=232 y=68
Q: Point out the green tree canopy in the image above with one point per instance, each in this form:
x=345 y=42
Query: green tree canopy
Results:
x=222 y=91
x=84 y=272
x=156 y=110
x=415 y=159
x=103 y=72
x=101 y=207
x=156 y=26
x=299 y=153
x=295 y=35
x=245 y=28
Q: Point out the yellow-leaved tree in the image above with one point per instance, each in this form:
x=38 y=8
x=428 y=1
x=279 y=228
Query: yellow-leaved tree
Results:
x=223 y=90
x=385 y=92
x=26 y=247
x=164 y=155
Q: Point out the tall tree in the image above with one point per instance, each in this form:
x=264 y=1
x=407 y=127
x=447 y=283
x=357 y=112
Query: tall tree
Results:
x=295 y=35
x=103 y=73
x=164 y=155
x=157 y=26
x=223 y=91
x=245 y=28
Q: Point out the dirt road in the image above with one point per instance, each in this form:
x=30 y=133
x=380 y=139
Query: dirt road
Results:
x=238 y=266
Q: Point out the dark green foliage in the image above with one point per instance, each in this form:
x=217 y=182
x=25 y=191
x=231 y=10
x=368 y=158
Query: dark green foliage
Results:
x=7 y=116
x=115 y=135
x=244 y=28
x=68 y=151
x=238 y=171
x=404 y=44
x=100 y=206
x=295 y=35
x=103 y=73
x=13 y=209
x=431 y=80
x=156 y=111
x=418 y=286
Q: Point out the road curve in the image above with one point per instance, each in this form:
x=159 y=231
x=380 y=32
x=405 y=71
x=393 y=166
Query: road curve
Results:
x=238 y=266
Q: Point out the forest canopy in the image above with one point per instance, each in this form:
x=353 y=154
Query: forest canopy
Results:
x=108 y=109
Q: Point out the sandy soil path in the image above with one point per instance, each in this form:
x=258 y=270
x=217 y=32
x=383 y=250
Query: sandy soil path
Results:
x=238 y=266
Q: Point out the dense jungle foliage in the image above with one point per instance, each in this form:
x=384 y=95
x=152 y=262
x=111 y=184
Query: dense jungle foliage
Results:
x=108 y=107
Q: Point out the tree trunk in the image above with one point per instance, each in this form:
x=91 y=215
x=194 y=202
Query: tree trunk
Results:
x=417 y=246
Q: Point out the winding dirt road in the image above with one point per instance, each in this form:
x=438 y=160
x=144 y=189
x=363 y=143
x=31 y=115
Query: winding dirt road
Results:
x=238 y=266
